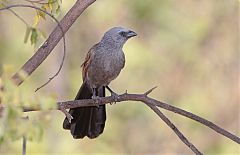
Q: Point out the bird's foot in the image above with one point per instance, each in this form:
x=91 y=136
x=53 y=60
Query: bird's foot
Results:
x=97 y=99
x=115 y=96
x=67 y=114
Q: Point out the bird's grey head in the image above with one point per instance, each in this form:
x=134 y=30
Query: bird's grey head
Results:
x=117 y=36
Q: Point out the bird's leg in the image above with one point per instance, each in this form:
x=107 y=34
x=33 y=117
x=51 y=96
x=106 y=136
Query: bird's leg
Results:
x=94 y=96
x=113 y=94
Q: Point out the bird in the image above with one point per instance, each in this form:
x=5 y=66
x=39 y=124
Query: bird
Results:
x=102 y=64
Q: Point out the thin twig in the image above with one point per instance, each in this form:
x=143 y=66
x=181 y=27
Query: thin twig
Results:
x=63 y=36
x=24 y=146
x=41 y=2
x=37 y=1
x=56 y=35
x=24 y=141
x=175 y=129
x=59 y=69
x=19 y=17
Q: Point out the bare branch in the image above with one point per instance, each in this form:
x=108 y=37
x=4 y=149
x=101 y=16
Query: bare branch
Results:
x=152 y=103
x=19 y=17
x=53 y=39
x=193 y=117
x=60 y=67
x=41 y=2
x=175 y=129
x=147 y=100
x=45 y=44
x=149 y=91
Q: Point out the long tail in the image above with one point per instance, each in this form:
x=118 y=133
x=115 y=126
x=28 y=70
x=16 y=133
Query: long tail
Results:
x=87 y=121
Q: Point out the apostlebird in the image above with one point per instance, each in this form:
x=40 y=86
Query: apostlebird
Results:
x=103 y=63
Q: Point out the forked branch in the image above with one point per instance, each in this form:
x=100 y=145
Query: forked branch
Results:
x=147 y=100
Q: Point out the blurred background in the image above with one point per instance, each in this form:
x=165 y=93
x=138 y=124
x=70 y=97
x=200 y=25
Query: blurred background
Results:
x=188 y=48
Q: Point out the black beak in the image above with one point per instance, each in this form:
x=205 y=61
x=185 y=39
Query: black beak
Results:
x=131 y=34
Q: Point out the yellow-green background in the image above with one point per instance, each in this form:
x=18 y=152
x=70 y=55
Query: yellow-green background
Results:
x=188 y=48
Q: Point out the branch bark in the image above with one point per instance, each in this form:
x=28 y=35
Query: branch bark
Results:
x=175 y=129
x=53 y=39
x=147 y=100
x=62 y=32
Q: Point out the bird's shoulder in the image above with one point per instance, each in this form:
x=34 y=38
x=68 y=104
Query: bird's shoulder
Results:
x=90 y=54
x=89 y=57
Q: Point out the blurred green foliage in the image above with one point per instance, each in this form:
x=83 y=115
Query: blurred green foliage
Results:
x=188 y=48
x=13 y=124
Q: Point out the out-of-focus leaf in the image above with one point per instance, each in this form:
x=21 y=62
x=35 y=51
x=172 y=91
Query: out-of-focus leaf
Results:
x=48 y=103
x=12 y=124
x=1 y=6
x=13 y=112
x=36 y=20
x=3 y=3
x=39 y=131
x=8 y=68
x=45 y=6
x=27 y=33
x=1 y=69
x=1 y=139
x=35 y=132
x=50 y=5
x=34 y=36
x=54 y=6
x=41 y=14
x=58 y=10
x=1 y=86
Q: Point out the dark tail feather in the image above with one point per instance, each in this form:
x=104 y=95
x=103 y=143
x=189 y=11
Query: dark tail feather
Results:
x=87 y=121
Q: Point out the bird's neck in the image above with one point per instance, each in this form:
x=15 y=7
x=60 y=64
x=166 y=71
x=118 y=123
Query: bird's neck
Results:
x=110 y=44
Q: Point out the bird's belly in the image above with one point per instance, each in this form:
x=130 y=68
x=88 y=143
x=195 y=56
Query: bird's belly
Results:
x=101 y=74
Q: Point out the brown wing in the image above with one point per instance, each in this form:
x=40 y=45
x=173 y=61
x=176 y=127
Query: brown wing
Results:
x=88 y=59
